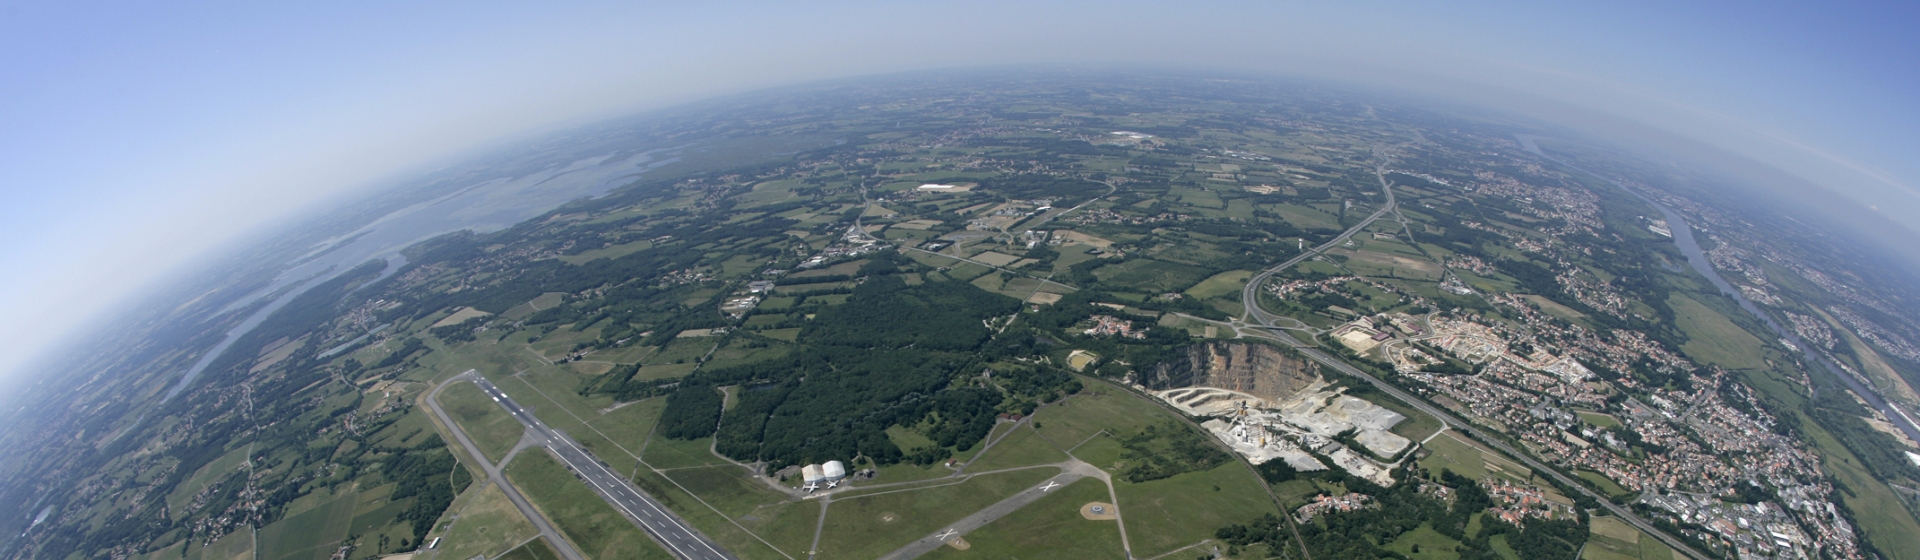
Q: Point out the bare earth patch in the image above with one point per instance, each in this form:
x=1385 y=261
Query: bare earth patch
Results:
x=1099 y=511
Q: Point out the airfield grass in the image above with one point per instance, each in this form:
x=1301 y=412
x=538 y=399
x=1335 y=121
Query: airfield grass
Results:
x=1101 y=407
x=536 y=549
x=1021 y=447
x=1170 y=513
x=595 y=527
x=1714 y=339
x=485 y=422
x=735 y=508
x=1101 y=451
x=1050 y=527
x=1433 y=545
x=666 y=453
x=870 y=525
x=487 y=525
x=717 y=526
x=311 y=534
x=909 y=472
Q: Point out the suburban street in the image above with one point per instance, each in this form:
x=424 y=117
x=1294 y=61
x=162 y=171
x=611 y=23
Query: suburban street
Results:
x=1261 y=318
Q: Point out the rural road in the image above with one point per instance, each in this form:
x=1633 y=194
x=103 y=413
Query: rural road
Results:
x=1250 y=297
x=673 y=533
x=560 y=543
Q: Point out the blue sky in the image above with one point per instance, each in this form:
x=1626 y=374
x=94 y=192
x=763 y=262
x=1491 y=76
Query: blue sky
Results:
x=136 y=138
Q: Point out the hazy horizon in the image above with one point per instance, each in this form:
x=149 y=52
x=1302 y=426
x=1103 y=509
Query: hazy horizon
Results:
x=146 y=142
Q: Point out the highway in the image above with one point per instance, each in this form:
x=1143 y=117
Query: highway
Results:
x=1251 y=293
x=1250 y=297
x=673 y=533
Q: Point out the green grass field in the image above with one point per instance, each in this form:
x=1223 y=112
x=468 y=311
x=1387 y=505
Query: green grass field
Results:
x=1598 y=419
x=732 y=533
x=487 y=525
x=1714 y=339
x=312 y=534
x=1452 y=454
x=665 y=453
x=1612 y=539
x=1431 y=544
x=1605 y=484
x=1149 y=275
x=593 y=526
x=1051 y=527
x=1223 y=284
x=537 y=549
x=1100 y=407
x=730 y=493
x=376 y=518
x=490 y=426
x=1019 y=448
x=1166 y=514
x=871 y=525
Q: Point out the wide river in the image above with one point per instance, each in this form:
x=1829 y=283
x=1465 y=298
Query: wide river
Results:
x=486 y=204
x=1683 y=236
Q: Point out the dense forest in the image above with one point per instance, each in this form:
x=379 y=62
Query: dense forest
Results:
x=894 y=354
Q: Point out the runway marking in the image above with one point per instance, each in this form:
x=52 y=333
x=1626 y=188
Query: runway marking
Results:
x=1050 y=485
x=947 y=535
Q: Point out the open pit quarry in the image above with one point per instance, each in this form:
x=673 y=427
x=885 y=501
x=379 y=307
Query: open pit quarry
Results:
x=1268 y=403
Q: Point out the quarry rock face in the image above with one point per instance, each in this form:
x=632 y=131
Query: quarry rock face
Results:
x=1255 y=369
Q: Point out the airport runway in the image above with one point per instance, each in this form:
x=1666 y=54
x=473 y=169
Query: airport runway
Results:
x=673 y=533
x=981 y=518
x=559 y=543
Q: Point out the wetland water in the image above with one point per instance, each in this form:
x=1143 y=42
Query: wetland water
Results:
x=1683 y=236
x=488 y=204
